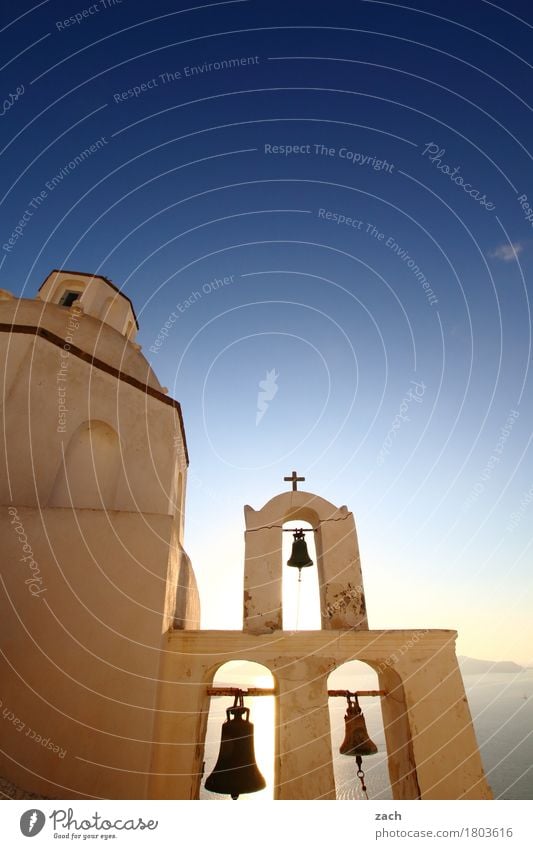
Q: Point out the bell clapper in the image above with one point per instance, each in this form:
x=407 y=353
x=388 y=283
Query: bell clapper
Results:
x=360 y=774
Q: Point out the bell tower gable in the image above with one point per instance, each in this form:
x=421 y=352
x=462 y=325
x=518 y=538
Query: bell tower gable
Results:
x=95 y=295
x=342 y=599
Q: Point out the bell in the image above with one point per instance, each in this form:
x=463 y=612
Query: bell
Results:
x=236 y=771
x=299 y=555
x=356 y=740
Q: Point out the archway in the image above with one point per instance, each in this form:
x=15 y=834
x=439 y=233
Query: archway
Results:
x=342 y=599
x=243 y=674
x=353 y=676
x=300 y=598
x=89 y=470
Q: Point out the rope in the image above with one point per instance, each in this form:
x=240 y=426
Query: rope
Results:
x=298 y=596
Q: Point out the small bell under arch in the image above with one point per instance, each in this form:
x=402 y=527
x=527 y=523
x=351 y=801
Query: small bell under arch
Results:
x=299 y=555
x=236 y=770
x=356 y=741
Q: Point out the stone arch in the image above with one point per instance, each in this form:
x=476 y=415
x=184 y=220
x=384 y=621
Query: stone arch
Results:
x=357 y=675
x=243 y=673
x=300 y=592
x=403 y=774
x=342 y=599
x=423 y=704
x=65 y=284
x=89 y=469
x=112 y=312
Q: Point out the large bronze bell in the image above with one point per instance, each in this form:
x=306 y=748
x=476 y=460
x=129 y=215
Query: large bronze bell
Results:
x=236 y=771
x=356 y=740
x=299 y=555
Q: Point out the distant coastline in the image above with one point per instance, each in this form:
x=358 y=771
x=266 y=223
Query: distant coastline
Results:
x=473 y=666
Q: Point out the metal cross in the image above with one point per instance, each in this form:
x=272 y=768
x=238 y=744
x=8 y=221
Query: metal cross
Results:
x=294 y=480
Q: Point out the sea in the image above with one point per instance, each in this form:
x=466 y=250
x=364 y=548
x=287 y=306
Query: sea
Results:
x=501 y=705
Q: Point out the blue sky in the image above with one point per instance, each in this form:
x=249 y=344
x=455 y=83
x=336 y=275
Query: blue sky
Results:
x=223 y=196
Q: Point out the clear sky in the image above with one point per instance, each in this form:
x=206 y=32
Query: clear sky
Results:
x=330 y=200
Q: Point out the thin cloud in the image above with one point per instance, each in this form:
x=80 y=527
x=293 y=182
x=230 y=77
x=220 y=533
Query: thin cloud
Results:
x=507 y=252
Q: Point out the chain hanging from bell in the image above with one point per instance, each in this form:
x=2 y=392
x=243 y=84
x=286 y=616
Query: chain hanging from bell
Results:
x=299 y=555
x=356 y=741
x=236 y=770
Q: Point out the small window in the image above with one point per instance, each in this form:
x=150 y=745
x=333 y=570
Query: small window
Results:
x=68 y=298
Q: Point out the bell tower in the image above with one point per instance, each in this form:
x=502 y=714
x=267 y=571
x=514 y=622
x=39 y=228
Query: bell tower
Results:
x=100 y=619
x=342 y=597
x=432 y=750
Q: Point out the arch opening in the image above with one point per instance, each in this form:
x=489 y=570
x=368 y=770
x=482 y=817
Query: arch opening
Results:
x=243 y=674
x=355 y=675
x=89 y=470
x=112 y=312
x=300 y=599
x=69 y=297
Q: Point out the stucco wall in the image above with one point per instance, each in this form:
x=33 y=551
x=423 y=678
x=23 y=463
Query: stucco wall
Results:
x=37 y=434
x=93 y=570
x=80 y=649
x=92 y=335
x=97 y=298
